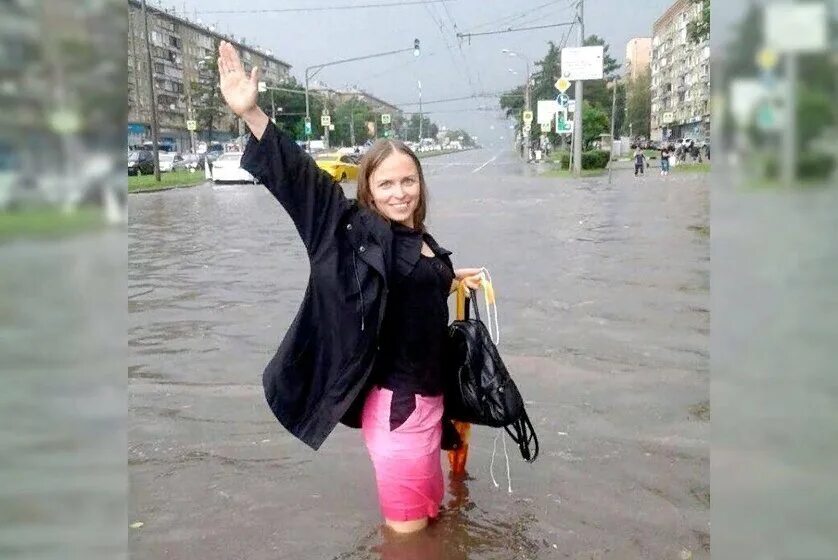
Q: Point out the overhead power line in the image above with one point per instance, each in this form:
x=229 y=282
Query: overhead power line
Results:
x=510 y=18
x=323 y=8
x=475 y=96
x=511 y=30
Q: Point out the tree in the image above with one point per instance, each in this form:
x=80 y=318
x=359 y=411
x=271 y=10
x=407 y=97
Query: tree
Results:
x=620 y=107
x=639 y=105
x=594 y=123
x=698 y=30
x=206 y=97
x=596 y=91
x=291 y=107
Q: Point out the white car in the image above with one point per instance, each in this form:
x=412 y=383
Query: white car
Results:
x=227 y=169
x=168 y=160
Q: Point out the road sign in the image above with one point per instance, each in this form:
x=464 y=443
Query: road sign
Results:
x=767 y=59
x=385 y=118
x=191 y=125
x=769 y=115
x=563 y=125
x=571 y=106
x=562 y=99
x=526 y=129
x=562 y=84
x=545 y=127
x=331 y=127
x=582 y=63
x=527 y=117
x=263 y=86
x=325 y=120
x=308 y=126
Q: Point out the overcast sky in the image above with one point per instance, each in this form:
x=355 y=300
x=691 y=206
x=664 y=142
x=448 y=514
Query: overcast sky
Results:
x=445 y=68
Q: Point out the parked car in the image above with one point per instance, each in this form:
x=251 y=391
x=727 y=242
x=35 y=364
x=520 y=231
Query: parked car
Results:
x=340 y=167
x=140 y=162
x=190 y=162
x=168 y=161
x=227 y=169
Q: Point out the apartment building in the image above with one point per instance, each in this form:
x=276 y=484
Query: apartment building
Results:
x=182 y=52
x=680 y=77
x=638 y=56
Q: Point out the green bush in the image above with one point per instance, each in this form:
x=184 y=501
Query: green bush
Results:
x=815 y=165
x=595 y=159
x=810 y=165
x=563 y=159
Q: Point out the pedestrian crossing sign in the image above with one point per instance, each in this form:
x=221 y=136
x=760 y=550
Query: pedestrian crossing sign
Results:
x=563 y=126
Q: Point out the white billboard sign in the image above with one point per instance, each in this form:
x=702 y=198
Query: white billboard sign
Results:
x=546 y=109
x=582 y=63
x=796 y=27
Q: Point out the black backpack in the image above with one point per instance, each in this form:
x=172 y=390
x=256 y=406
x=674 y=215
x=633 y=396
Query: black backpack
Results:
x=478 y=388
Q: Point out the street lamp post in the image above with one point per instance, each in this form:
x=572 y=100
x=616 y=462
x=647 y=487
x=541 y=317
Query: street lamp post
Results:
x=313 y=70
x=420 y=111
x=526 y=137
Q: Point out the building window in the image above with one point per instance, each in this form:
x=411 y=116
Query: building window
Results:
x=174 y=42
x=159 y=68
x=171 y=56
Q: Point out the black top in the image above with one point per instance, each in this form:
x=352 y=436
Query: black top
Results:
x=415 y=323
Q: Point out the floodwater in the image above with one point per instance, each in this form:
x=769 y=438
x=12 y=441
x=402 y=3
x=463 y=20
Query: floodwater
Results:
x=603 y=295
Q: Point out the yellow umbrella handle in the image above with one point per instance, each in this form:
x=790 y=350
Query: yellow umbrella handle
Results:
x=457 y=458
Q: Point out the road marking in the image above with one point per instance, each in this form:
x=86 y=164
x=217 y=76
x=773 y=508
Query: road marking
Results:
x=485 y=164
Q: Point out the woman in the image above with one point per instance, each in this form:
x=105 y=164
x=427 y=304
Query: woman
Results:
x=365 y=347
x=665 y=160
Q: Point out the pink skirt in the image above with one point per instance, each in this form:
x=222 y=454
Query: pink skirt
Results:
x=407 y=460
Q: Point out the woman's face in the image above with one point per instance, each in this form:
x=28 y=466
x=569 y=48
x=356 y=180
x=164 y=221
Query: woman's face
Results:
x=394 y=185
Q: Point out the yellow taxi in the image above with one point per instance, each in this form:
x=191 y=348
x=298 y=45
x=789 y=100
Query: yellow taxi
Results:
x=340 y=166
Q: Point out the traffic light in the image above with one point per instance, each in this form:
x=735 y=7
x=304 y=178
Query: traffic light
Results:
x=416 y=47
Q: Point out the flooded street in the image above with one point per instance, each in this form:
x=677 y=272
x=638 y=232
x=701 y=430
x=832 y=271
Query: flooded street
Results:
x=603 y=296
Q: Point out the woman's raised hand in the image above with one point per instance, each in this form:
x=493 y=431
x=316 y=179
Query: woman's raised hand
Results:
x=240 y=91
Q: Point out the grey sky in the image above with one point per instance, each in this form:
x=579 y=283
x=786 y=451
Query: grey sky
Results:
x=306 y=38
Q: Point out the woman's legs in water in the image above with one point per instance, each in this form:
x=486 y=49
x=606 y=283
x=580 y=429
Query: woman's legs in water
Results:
x=407 y=526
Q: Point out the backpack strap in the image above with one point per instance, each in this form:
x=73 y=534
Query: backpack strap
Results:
x=524 y=436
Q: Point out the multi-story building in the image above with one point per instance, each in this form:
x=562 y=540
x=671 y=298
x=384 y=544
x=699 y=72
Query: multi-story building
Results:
x=638 y=56
x=680 y=77
x=183 y=55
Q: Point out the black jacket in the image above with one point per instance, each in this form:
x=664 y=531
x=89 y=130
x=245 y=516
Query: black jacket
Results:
x=320 y=373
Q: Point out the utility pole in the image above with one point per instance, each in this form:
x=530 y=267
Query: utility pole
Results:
x=154 y=145
x=789 y=141
x=577 y=114
x=187 y=84
x=613 y=109
x=527 y=107
x=420 y=110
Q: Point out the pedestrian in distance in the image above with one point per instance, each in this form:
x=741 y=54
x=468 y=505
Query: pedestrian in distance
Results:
x=665 y=153
x=365 y=348
x=639 y=161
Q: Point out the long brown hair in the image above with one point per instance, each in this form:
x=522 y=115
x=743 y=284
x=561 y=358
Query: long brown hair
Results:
x=370 y=162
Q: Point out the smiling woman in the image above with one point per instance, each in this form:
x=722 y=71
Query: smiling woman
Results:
x=366 y=348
